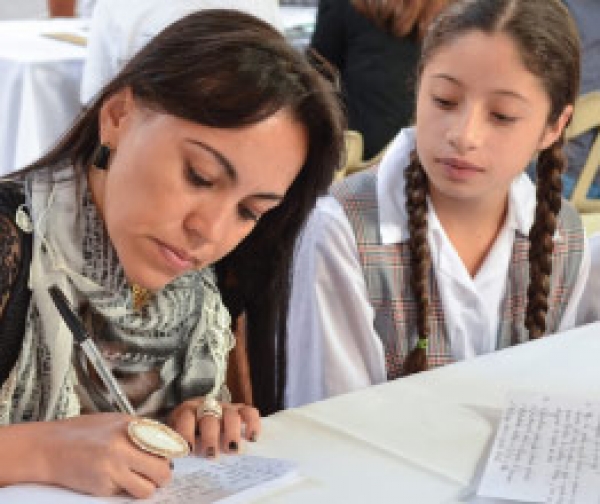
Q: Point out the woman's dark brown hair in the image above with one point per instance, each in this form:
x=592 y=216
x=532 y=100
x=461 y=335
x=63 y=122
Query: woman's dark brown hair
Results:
x=400 y=17
x=227 y=69
x=547 y=40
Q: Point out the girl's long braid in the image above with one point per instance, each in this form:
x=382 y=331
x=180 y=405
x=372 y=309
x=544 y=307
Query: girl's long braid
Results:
x=416 y=204
x=549 y=186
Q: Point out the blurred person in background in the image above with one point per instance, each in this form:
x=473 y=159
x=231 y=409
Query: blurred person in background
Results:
x=120 y=29
x=375 y=45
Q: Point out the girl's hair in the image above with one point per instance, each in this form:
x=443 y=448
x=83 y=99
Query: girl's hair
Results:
x=226 y=69
x=548 y=43
x=400 y=17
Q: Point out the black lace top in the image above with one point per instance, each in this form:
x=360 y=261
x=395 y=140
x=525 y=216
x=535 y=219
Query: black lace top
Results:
x=15 y=257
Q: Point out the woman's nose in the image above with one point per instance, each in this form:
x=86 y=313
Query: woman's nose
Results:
x=209 y=225
x=465 y=132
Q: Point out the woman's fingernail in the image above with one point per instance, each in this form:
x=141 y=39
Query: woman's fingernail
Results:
x=233 y=446
x=191 y=447
x=253 y=436
x=171 y=465
x=210 y=452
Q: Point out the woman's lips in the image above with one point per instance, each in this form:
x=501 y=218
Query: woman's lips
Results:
x=177 y=259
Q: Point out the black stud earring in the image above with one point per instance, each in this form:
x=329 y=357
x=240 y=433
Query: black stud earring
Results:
x=101 y=157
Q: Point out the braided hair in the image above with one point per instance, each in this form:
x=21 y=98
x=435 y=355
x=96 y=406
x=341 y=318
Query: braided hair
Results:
x=420 y=259
x=549 y=186
x=547 y=41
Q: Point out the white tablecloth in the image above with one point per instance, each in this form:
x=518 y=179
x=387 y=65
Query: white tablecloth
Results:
x=39 y=88
x=421 y=439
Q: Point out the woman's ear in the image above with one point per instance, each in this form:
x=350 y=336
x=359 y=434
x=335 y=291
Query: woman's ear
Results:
x=553 y=131
x=115 y=115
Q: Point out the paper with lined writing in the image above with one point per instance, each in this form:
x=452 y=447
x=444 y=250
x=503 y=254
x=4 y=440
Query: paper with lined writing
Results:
x=227 y=480
x=547 y=450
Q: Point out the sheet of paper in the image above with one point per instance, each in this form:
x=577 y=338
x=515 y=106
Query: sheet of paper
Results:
x=546 y=450
x=228 y=480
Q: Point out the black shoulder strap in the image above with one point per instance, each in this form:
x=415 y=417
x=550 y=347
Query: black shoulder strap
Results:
x=12 y=320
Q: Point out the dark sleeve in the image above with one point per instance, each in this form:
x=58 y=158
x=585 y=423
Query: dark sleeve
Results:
x=329 y=37
x=15 y=257
x=10 y=259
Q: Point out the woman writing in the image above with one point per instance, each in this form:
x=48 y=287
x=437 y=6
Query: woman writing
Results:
x=216 y=136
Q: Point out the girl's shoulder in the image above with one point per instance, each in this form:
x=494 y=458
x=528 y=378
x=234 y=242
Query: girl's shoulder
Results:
x=569 y=218
x=359 y=186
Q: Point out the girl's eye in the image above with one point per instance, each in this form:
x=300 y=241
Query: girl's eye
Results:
x=247 y=214
x=443 y=103
x=503 y=118
x=196 y=179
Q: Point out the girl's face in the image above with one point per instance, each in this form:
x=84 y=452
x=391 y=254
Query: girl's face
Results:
x=178 y=196
x=481 y=118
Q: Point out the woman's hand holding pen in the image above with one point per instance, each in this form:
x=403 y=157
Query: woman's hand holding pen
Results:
x=92 y=454
x=216 y=434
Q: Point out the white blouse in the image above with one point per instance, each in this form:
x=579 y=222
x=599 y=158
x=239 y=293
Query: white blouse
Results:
x=332 y=344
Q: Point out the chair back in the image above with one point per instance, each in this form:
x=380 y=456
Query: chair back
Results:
x=354 y=149
x=238 y=378
x=586 y=117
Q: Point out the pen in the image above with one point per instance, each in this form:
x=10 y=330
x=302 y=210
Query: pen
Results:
x=87 y=345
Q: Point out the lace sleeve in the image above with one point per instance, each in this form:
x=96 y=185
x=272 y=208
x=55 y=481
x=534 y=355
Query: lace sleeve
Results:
x=10 y=258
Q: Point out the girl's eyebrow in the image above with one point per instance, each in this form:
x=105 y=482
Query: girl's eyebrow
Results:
x=227 y=166
x=504 y=92
x=447 y=77
x=229 y=169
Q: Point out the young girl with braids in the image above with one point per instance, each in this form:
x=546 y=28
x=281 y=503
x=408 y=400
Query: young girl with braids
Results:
x=445 y=250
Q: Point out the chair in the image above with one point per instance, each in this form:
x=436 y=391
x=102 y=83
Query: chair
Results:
x=586 y=117
x=591 y=223
x=354 y=149
x=238 y=368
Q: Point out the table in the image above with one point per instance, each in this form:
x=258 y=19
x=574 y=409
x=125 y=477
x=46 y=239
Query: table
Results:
x=39 y=88
x=422 y=439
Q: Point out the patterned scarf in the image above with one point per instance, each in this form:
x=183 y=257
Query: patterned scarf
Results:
x=181 y=338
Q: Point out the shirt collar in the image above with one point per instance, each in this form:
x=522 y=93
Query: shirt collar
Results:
x=390 y=188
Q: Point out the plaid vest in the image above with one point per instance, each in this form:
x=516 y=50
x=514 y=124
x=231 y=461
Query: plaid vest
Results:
x=386 y=270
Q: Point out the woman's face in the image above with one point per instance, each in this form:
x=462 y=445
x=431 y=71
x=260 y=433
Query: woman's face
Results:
x=179 y=196
x=481 y=118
